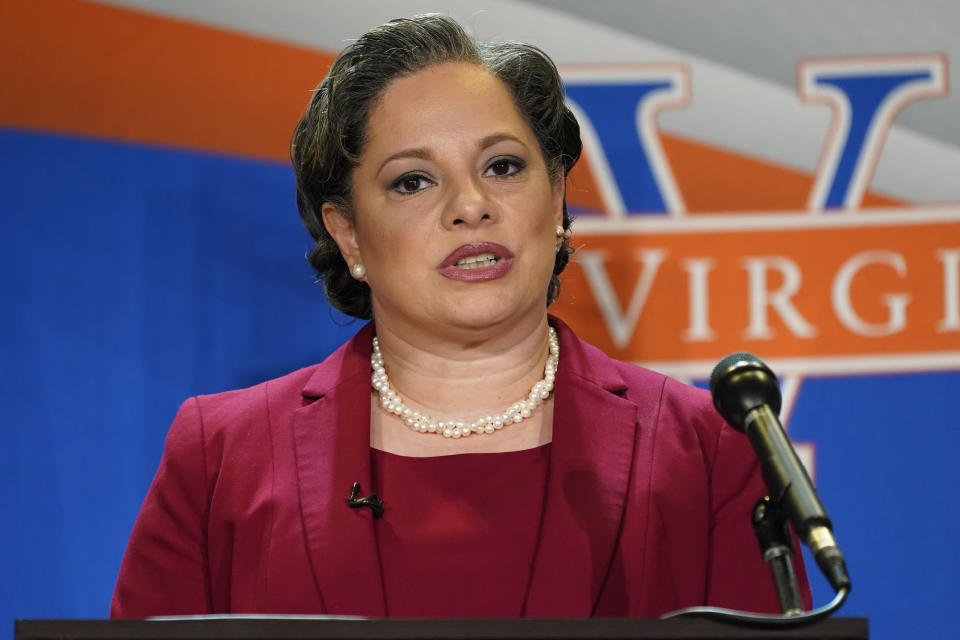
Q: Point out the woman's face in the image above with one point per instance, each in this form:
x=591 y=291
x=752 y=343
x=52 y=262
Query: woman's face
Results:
x=454 y=209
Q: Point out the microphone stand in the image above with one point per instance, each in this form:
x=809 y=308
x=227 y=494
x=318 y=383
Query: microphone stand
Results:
x=773 y=534
x=772 y=531
x=746 y=394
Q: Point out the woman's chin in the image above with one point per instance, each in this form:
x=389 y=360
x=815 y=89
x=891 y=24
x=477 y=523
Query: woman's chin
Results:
x=480 y=311
x=472 y=309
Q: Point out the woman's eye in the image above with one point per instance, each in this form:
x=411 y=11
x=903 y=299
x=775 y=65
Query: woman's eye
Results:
x=410 y=183
x=505 y=167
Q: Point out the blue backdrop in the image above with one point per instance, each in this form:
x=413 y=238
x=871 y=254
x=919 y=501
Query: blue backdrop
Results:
x=135 y=277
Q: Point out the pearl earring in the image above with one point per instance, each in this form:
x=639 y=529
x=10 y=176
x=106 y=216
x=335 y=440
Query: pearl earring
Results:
x=358 y=270
x=562 y=235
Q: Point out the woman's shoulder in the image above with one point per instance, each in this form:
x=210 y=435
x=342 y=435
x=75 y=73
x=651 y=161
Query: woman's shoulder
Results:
x=235 y=420
x=254 y=398
x=287 y=392
x=677 y=403
x=634 y=381
x=677 y=409
x=683 y=418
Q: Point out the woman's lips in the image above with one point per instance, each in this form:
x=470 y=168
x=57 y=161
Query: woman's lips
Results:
x=477 y=262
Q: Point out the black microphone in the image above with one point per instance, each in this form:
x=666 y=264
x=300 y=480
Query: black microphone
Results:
x=747 y=395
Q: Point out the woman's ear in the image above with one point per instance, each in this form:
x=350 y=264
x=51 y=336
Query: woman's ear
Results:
x=341 y=229
x=558 y=191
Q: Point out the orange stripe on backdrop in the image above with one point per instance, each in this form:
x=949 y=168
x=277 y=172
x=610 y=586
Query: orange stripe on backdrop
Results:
x=97 y=70
x=712 y=179
x=82 y=68
x=715 y=180
x=820 y=256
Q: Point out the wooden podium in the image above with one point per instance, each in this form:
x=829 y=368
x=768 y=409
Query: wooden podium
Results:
x=300 y=628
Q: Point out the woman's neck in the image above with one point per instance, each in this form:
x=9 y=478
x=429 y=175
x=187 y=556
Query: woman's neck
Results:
x=465 y=376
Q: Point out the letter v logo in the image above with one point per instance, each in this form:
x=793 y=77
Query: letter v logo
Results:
x=866 y=94
x=617 y=109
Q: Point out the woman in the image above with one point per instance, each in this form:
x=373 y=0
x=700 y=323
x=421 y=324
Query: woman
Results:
x=522 y=472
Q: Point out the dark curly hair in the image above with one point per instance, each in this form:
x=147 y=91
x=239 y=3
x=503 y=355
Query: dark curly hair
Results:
x=330 y=137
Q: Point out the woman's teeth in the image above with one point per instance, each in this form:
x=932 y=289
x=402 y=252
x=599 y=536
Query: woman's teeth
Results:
x=477 y=262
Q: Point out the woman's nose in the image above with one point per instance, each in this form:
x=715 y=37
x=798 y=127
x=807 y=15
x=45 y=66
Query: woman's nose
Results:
x=469 y=205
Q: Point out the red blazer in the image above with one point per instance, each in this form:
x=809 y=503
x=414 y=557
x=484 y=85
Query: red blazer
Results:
x=647 y=510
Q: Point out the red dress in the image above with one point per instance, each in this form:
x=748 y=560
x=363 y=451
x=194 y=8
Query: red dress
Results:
x=459 y=532
x=646 y=507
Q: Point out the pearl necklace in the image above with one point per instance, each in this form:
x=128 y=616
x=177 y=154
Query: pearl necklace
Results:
x=390 y=400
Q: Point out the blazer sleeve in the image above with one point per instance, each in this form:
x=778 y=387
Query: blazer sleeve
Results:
x=164 y=569
x=737 y=576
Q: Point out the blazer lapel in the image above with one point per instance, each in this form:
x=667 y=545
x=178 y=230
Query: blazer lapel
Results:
x=594 y=434
x=332 y=441
x=595 y=428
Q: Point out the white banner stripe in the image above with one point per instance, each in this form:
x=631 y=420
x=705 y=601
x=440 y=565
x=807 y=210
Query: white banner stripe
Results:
x=719 y=222
x=873 y=364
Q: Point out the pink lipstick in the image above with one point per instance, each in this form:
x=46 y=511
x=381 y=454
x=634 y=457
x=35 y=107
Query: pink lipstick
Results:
x=477 y=262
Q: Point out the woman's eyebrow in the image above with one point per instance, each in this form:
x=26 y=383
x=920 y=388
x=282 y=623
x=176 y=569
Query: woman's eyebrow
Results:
x=494 y=138
x=420 y=153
